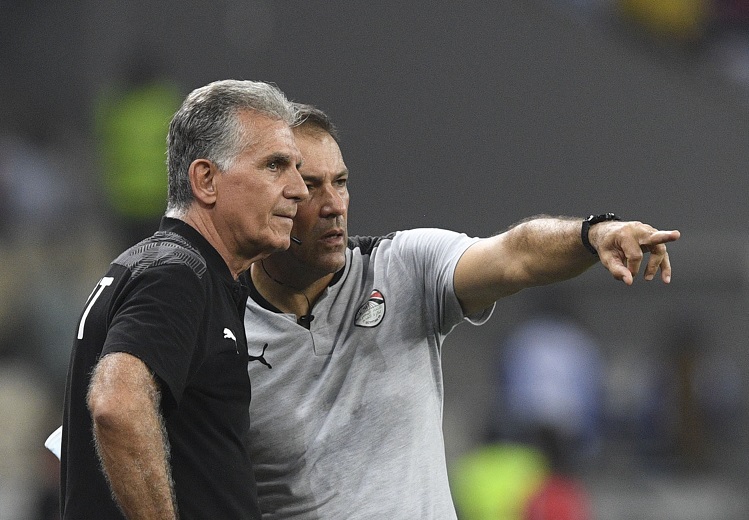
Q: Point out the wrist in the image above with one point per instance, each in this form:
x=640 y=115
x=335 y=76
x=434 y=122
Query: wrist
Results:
x=589 y=222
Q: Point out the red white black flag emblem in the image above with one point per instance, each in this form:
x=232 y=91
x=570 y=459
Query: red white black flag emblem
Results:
x=371 y=313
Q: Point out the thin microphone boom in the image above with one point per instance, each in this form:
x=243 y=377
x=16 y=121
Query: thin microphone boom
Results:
x=296 y=241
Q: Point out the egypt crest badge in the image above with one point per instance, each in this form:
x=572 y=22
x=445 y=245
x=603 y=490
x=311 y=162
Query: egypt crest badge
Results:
x=371 y=313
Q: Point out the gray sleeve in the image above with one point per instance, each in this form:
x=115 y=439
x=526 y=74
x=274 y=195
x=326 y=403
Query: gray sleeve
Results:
x=431 y=255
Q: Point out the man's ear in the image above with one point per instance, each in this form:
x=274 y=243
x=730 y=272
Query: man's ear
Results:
x=203 y=180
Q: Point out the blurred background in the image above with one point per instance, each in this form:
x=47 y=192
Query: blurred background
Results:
x=613 y=402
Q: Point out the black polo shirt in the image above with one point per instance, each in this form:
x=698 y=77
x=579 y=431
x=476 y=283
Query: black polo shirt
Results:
x=172 y=302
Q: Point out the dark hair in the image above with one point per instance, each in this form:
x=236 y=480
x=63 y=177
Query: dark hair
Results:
x=308 y=115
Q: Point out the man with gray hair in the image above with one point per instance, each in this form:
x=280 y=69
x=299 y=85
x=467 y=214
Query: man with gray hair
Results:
x=156 y=404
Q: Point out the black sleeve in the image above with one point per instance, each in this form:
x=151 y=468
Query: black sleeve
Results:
x=158 y=321
x=367 y=244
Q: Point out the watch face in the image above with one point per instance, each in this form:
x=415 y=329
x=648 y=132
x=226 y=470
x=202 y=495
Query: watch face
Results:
x=595 y=219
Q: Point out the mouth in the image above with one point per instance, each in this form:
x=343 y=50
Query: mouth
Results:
x=334 y=236
x=289 y=216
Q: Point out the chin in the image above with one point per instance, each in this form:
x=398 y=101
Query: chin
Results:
x=278 y=244
x=332 y=263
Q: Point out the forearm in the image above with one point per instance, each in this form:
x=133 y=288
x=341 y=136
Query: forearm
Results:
x=135 y=463
x=536 y=251
x=131 y=441
x=543 y=250
x=547 y=250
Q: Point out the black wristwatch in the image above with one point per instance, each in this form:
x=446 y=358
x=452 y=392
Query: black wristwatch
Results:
x=590 y=221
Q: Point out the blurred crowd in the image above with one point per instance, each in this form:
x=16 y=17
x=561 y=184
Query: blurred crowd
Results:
x=709 y=36
x=566 y=410
x=58 y=232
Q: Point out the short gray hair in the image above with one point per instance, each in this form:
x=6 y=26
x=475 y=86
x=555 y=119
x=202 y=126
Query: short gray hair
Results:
x=207 y=126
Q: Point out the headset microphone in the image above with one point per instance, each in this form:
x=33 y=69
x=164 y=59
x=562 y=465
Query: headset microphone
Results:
x=305 y=320
x=296 y=241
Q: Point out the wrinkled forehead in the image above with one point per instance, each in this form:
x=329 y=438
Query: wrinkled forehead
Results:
x=321 y=154
x=264 y=134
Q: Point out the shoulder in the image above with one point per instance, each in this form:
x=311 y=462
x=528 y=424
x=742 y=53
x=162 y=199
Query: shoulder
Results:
x=367 y=244
x=162 y=249
x=416 y=239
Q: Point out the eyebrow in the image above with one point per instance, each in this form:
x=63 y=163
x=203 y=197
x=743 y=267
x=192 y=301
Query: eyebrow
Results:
x=282 y=158
x=342 y=173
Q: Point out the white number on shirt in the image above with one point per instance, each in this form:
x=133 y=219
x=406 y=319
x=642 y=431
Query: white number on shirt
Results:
x=104 y=282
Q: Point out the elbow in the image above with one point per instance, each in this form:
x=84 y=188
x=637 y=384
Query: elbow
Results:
x=121 y=388
x=106 y=410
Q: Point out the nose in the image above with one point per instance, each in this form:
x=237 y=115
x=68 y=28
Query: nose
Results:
x=335 y=202
x=296 y=188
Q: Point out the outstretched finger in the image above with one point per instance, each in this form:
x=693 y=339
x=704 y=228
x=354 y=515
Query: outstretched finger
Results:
x=661 y=237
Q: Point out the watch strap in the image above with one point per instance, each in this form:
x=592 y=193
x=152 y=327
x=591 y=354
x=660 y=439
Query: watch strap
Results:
x=591 y=221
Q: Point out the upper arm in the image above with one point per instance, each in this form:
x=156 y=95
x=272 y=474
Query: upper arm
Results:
x=129 y=436
x=121 y=387
x=486 y=272
x=537 y=251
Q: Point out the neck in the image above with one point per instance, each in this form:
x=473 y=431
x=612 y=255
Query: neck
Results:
x=236 y=263
x=287 y=297
x=279 y=282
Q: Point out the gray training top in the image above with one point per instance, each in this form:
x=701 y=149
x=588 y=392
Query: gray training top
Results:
x=347 y=424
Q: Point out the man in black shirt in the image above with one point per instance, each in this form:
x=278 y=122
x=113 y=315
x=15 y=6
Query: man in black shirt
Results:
x=156 y=404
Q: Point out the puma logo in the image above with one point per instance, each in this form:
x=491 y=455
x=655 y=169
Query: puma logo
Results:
x=228 y=334
x=261 y=358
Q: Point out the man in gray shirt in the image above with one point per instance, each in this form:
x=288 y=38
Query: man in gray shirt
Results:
x=347 y=423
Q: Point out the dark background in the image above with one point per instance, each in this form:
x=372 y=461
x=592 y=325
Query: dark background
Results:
x=466 y=116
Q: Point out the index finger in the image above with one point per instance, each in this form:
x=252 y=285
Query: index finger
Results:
x=661 y=237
